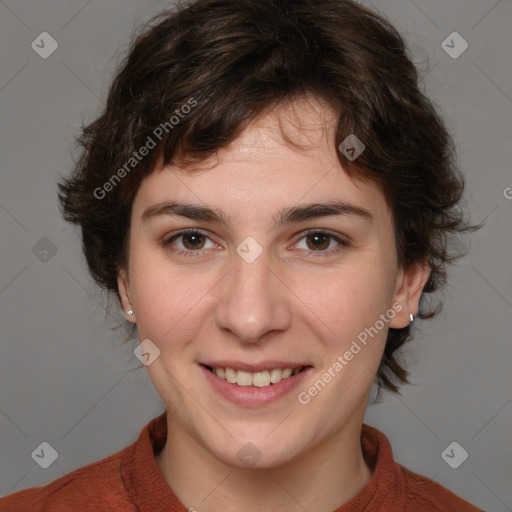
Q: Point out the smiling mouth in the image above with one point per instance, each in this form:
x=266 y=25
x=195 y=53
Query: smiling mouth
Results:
x=260 y=379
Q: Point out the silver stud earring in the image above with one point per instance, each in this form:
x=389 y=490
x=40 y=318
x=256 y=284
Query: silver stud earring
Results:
x=129 y=312
x=411 y=318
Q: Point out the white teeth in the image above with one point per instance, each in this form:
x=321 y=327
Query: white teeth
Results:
x=258 y=379
x=244 y=378
x=275 y=375
x=286 y=373
x=261 y=379
x=231 y=375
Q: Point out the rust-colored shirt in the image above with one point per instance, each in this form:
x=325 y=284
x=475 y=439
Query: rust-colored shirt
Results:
x=130 y=481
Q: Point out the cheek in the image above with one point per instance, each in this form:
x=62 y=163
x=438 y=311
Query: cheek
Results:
x=165 y=298
x=347 y=301
x=350 y=313
x=165 y=307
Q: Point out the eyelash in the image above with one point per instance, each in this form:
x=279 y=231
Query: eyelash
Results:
x=314 y=254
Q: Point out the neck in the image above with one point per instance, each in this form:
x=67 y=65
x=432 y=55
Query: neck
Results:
x=323 y=479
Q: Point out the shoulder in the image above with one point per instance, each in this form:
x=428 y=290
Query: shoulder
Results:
x=398 y=488
x=109 y=484
x=97 y=486
x=424 y=494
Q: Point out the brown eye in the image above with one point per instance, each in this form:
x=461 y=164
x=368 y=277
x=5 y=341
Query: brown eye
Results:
x=322 y=242
x=188 y=242
x=193 y=240
x=319 y=241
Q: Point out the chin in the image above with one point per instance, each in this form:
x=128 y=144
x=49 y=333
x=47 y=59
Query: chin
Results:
x=257 y=453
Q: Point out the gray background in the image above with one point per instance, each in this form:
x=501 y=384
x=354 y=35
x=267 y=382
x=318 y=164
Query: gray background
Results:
x=68 y=380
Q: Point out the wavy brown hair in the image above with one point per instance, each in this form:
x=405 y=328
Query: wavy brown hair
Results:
x=238 y=60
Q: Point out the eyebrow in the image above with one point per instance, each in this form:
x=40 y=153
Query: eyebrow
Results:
x=289 y=215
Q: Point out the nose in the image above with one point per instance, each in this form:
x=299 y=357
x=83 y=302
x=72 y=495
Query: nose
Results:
x=254 y=301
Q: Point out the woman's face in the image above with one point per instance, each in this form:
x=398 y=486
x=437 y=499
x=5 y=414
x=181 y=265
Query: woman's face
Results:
x=279 y=284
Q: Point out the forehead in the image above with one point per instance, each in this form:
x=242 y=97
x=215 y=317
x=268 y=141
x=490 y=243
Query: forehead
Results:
x=285 y=157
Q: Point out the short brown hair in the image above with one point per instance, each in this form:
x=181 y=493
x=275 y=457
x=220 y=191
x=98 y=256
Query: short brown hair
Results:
x=236 y=61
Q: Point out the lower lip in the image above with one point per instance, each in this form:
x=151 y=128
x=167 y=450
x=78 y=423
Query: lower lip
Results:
x=251 y=396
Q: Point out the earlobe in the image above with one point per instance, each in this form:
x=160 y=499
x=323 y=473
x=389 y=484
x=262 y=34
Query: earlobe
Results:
x=123 y=286
x=410 y=284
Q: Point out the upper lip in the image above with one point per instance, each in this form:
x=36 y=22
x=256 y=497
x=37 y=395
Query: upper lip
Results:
x=253 y=368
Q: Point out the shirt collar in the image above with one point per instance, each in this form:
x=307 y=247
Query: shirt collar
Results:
x=148 y=490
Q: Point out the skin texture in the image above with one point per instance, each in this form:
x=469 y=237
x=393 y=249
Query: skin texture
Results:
x=293 y=303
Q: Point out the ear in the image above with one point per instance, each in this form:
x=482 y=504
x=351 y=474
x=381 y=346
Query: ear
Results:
x=409 y=285
x=123 y=285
